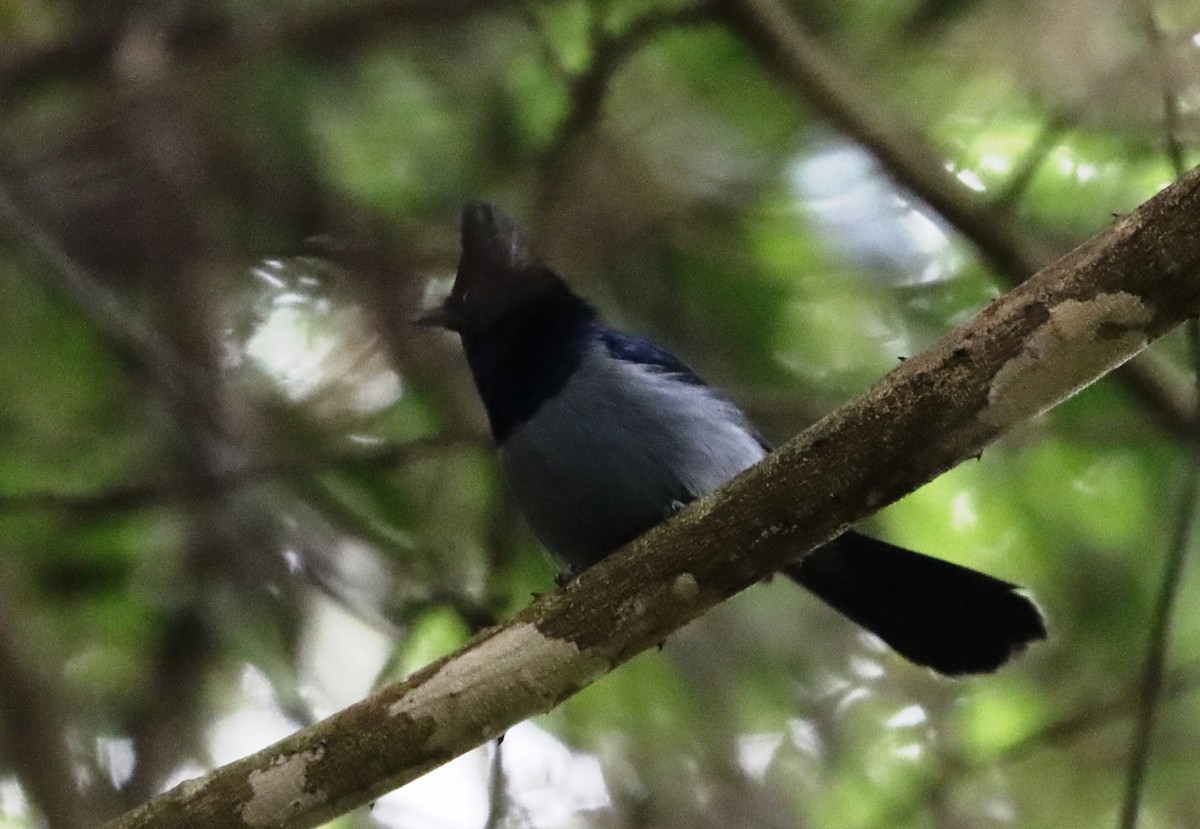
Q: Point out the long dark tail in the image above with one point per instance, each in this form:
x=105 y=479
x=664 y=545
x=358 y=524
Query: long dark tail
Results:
x=950 y=618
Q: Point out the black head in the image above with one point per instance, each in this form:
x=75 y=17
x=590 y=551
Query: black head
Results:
x=497 y=274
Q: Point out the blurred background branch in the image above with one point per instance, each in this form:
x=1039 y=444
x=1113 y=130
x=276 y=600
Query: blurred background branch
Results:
x=1158 y=637
x=1182 y=538
x=1013 y=252
x=211 y=35
x=34 y=727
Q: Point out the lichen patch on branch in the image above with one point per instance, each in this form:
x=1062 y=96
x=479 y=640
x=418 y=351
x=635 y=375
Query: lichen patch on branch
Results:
x=685 y=587
x=281 y=789
x=1079 y=339
x=519 y=668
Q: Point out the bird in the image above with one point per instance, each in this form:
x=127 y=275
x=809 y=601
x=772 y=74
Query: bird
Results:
x=602 y=434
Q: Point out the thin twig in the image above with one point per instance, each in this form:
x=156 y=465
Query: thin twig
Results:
x=1166 y=79
x=1181 y=683
x=129 y=335
x=498 y=801
x=1031 y=160
x=1158 y=640
x=588 y=89
x=152 y=493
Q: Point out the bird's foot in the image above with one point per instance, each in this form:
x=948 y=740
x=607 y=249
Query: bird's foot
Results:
x=565 y=577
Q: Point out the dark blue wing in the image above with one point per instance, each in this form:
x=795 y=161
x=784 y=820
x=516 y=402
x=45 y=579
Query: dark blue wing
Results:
x=634 y=349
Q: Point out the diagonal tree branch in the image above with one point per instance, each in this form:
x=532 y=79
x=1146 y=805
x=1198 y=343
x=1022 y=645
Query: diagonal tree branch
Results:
x=1071 y=323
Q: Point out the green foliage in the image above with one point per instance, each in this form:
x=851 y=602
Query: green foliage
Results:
x=393 y=137
x=63 y=414
x=434 y=634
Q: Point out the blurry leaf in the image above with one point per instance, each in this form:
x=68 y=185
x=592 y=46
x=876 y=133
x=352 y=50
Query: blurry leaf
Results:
x=437 y=632
x=566 y=28
x=999 y=716
x=395 y=138
x=966 y=517
x=539 y=100
x=725 y=80
x=65 y=416
x=644 y=705
x=1106 y=498
x=1089 y=179
x=25 y=21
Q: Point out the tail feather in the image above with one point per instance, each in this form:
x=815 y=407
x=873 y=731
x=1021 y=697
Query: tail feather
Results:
x=949 y=618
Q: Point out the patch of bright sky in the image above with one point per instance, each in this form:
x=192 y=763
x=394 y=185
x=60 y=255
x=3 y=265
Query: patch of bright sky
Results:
x=971 y=179
x=850 y=699
x=1069 y=165
x=188 y=771
x=756 y=751
x=13 y=803
x=437 y=289
x=866 y=669
x=340 y=657
x=1188 y=99
x=907 y=717
x=318 y=351
x=806 y=737
x=547 y=782
x=962 y=511
x=868 y=220
x=995 y=163
x=117 y=757
x=1000 y=809
x=454 y=796
x=253 y=725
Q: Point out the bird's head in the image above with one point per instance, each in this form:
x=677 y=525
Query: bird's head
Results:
x=497 y=274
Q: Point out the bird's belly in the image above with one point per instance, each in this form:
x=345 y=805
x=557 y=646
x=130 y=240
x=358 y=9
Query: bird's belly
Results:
x=582 y=496
x=610 y=457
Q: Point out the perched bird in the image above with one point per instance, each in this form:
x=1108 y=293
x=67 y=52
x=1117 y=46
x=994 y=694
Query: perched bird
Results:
x=602 y=435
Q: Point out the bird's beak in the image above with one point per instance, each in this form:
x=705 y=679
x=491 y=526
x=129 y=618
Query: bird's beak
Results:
x=436 y=317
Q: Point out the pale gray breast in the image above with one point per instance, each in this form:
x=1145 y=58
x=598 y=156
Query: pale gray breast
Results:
x=604 y=460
